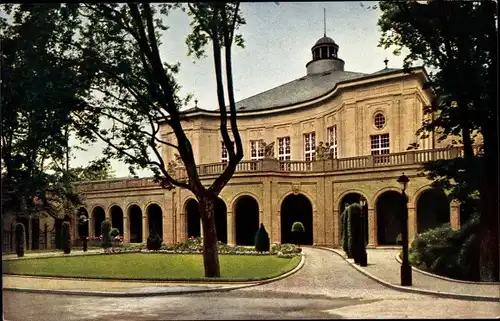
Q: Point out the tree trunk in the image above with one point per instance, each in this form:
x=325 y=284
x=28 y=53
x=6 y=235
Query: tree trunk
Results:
x=210 y=251
x=489 y=219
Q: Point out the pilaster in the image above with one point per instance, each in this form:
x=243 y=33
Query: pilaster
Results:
x=372 y=227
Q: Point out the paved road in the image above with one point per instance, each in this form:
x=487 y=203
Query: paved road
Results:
x=327 y=287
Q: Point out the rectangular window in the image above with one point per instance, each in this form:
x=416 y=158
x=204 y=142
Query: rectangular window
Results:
x=309 y=148
x=332 y=141
x=284 y=152
x=380 y=146
x=256 y=152
x=224 y=153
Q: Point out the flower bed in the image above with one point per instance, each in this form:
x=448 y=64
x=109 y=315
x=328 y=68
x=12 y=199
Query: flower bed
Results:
x=195 y=246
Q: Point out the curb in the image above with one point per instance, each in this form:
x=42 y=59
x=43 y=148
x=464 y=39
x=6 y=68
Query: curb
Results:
x=160 y=293
x=417 y=290
x=445 y=278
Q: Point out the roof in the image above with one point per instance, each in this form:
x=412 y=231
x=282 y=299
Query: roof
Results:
x=324 y=40
x=299 y=90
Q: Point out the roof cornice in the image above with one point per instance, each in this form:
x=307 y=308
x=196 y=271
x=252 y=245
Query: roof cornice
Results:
x=341 y=85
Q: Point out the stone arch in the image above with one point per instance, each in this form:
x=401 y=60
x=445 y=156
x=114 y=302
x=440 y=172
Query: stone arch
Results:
x=83 y=226
x=293 y=208
x=191 y=211
x=381 y=191
x=246 y=219
x=432 y=209
x=25 y=221
x=242 y=194
x=309 y=198
x=98 y=216
x=134 y=214
x=389 y=208
x=350 y=191
x=154 y=214
x=116 y=214
x=350 y=198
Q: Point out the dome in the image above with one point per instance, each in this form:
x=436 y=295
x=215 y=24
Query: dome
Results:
x=325 y=41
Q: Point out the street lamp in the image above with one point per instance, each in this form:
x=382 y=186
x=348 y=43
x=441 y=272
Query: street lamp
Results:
x=405 y=266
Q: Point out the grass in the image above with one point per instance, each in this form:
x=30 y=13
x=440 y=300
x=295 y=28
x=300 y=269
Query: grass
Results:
x=164 y=267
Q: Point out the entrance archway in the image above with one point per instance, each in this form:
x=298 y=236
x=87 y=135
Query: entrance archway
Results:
x=349 y=199
x=246 y=213
x=117 y=218
x=296 y=208
x=192 y=212
x=221 y=220
x=98 y=216
x=390 y=211
x=135 y=221
x=83 y=227
x=433 y=210
x=155 y=220
x=25 y=222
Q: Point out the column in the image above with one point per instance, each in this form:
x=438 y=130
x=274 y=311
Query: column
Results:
x=265 y=213
x=455 y=215
x=337 y=235
x=412 y=224
x=231 y=230
x=126 y=229
x=30 y=234
x=165 y=230
x=372 y=227
x=316 y=230
x=107 y=215
x=91 y=225
x=145 y=228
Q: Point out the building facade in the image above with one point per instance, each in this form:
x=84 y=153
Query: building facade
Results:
x=311 y=146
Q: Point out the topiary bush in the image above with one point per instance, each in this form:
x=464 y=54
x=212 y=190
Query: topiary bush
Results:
x=345 y=239
x=106 y=238
x=20 y=235
x=262 y=243
x=114 y=232
x=354 y=232
x=298 y=230
x=66 y=237
x=153 y=242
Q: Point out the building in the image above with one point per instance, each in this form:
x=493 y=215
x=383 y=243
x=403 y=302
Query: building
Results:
x=367 y=120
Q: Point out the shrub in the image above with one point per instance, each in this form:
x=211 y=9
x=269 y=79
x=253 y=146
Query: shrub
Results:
x=298 y=227
x=345 y=239
x=106 y=238
x=354 y=232
x=154 y=242
x=114 y=232
x=66 y=238
x=450 y=253
x=20 y=239
x=262 y=243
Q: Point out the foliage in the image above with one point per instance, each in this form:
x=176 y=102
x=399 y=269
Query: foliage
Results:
x=114 y=232
x=464 y=105
x=20 y=239
x=450 y=253
x=298 y=227
x=41 y=87
x=106 y=238
x=66 y=237
x=262 y=243
x=98 y=169
x=153 y=242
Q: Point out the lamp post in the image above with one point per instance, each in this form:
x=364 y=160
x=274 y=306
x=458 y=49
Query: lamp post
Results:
x=405 y=266
x=363 y=260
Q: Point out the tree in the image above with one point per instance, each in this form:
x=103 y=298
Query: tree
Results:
x=119 y=51
x=40 y=89
x=458 y=39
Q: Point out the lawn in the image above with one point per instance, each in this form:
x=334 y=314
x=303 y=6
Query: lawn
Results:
x=153 y=266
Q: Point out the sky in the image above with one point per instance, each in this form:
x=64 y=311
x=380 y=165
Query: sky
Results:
x=278 y=40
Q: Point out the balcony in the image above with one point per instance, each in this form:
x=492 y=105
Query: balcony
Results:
x=413 y=157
